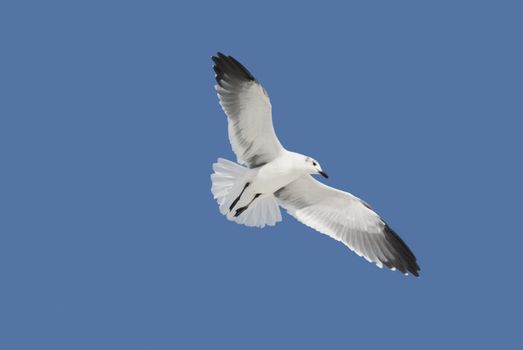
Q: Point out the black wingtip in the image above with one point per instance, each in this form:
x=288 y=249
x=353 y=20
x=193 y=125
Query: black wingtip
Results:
x=229 y=66
x=405 y=260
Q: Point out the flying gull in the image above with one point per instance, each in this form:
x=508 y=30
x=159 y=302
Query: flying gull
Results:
x=269 y=176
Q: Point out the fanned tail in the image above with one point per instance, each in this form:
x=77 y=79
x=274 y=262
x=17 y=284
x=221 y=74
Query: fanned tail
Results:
x=228 y=180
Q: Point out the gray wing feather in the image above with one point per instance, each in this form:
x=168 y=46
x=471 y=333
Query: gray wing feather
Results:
x=348 y=219
x=249 y=113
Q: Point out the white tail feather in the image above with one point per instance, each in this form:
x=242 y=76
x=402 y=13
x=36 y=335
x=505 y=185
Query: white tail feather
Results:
x=227 y=183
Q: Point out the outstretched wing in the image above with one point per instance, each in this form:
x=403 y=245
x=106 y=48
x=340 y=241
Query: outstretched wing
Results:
x=348 y=219
x=248 y=109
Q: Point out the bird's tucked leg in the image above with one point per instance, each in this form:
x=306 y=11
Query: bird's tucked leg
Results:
x=239 y=196
x=244 y=208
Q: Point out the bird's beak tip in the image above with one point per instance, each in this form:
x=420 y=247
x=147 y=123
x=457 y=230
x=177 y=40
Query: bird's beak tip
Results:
x=323 y=174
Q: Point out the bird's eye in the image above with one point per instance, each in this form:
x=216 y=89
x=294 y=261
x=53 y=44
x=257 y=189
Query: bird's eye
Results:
x=314 y=163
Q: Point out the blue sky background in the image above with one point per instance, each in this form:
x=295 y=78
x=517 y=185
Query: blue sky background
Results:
x=109 y=124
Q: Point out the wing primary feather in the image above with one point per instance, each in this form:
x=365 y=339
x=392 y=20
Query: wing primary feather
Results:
x=230 y=67
x=405 y=255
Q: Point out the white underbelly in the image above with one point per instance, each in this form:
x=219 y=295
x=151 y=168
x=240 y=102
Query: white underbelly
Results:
x=272 y=177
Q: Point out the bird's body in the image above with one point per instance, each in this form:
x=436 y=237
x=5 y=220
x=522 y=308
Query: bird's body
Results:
x=278 y=173
x=275 y=177
x=266 y=179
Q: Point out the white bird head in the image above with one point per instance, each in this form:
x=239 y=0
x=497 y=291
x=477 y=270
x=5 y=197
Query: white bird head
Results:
x=313 y=167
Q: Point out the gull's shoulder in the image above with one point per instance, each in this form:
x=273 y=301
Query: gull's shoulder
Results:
x=287 y=160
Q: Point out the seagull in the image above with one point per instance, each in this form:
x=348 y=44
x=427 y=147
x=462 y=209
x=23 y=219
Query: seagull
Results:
x=267 y=176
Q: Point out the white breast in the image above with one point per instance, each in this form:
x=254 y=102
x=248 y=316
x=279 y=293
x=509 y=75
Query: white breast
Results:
x=276 y=174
